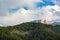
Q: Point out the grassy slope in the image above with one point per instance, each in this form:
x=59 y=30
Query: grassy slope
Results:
x=30 y=31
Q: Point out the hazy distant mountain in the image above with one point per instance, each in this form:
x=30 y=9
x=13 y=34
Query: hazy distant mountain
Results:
x=56 y=23
x=36 y=21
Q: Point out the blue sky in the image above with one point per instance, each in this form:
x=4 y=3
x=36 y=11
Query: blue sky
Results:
x=13 y=12
x=37 y=4
x=45 y=3
x=42 y=4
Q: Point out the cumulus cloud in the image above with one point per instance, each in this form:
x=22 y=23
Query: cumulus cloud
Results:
x=22 y=15
x=19 y=17
x=5 y=5
x=57 y=2
x=13 y=13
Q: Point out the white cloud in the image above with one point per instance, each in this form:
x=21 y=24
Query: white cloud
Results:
x=5 y=5
x=19 y=17
x=57 y=2
x=6 y=18
x=50 y=11
x=23 y=15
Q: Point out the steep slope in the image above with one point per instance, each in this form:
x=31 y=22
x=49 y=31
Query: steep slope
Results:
x=30 y=31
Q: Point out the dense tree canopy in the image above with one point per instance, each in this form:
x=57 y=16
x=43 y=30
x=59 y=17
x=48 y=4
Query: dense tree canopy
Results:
x=30 y=31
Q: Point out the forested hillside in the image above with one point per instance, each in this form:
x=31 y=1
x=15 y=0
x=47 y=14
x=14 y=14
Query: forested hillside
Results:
x=30 y=31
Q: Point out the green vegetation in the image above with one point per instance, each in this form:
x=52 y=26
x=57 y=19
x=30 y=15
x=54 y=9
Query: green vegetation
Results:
x=30 y=31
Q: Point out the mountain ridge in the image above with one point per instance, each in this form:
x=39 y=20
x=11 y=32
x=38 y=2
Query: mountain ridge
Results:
x=30 y=31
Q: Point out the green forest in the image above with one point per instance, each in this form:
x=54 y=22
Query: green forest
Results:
x=30 y=31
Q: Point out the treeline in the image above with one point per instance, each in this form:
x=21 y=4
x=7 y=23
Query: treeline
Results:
x=30 y=31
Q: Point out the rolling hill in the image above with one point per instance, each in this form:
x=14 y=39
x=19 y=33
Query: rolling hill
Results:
x=30 y=31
